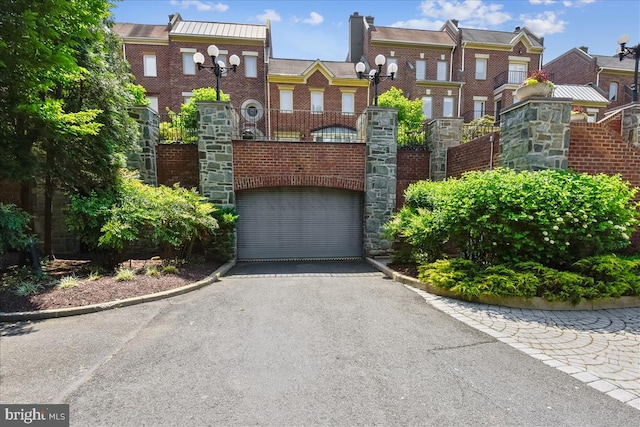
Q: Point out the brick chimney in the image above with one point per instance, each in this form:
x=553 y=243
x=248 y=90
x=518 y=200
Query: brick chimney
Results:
x=356 y=37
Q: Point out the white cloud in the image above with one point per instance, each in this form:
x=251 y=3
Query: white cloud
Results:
x=470 y=13
x=577 y=3
x=420 y=24
x=542 y=1
x=313 y=19
x=544 y=24
x=200 y=5
x=269 y=14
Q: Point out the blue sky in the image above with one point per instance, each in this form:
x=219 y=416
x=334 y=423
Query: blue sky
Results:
x=319 y=29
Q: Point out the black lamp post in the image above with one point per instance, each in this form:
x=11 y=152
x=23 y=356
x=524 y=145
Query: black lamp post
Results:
x=624 y=51
x=218 y=67
x=375 y=75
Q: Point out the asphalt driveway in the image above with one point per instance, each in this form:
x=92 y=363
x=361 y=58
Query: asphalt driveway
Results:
x=332 y=343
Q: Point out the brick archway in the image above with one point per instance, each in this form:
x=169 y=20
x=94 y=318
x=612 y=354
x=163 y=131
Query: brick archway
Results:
x=298 y=164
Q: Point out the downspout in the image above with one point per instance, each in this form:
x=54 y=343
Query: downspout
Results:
x=124 y=50
x=491 y=152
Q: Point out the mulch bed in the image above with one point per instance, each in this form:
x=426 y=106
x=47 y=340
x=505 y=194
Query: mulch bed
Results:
x=104 y=289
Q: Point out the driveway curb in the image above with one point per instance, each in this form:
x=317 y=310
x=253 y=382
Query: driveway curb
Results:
x=74 y=311
x=535 y=303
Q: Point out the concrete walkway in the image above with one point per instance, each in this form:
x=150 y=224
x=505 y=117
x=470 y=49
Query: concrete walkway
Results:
x=600 y=348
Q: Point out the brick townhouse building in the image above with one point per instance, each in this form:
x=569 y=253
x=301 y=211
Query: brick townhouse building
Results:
x=613 y=78
x=161 y=59
x=458 y=72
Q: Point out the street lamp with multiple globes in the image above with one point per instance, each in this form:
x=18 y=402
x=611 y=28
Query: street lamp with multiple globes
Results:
x=624 y=51
x=375 y=75
x=218 y=67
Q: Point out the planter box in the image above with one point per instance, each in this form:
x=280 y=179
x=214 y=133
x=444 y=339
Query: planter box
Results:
x=540 y=89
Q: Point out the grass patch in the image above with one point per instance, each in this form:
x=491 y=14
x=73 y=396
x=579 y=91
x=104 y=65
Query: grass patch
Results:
x=170 y=269
x=68 y=282
x=125 y=274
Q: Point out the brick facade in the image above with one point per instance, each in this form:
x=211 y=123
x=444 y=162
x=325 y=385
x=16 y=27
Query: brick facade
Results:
x=267 y=164
x=413 y=166
x=178 y=164
x=476 y=155
x=579 y=67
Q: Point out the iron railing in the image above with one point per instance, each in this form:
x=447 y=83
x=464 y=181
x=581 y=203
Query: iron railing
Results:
x=299 y=125
x=178 y=128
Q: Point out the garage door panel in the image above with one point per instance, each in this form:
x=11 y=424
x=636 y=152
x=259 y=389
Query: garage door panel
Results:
x=299 y=222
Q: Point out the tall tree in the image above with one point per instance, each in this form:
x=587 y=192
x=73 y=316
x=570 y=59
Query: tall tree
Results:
x=63 y=107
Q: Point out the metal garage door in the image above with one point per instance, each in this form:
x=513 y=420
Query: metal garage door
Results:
x=299 y=223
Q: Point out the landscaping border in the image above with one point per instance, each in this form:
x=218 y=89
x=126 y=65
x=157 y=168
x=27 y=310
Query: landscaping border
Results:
x=74 y=311
x=535 y=303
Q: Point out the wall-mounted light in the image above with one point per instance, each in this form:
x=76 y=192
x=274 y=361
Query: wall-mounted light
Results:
x=218 y=67
x=375 y=75
x=624 y=51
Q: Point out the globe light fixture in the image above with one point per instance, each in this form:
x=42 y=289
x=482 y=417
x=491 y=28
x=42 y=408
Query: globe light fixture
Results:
x=218 y=67
x=624 y=51
x=375 y=74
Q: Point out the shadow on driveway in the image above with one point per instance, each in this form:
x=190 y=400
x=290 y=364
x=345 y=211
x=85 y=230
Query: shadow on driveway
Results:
x=297 y=268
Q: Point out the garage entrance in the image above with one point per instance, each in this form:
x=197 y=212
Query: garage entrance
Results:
x=299 y=223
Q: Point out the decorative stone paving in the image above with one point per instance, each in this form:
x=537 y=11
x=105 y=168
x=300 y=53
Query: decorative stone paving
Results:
x=600 y=348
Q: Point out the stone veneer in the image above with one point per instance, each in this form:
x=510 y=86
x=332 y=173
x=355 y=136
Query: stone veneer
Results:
x=380 y=177
x=143 y=158
x=631 y=125
x=534 y=134
x=442 y=134
x=218 y=126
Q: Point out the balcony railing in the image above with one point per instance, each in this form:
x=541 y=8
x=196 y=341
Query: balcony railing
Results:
x=512 y=78
x=299 y=125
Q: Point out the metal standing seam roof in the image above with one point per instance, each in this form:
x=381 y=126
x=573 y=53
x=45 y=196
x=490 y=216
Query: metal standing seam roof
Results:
x=141 y=31
x=495 y=37
x=297 y=67
x=220 y=29
x=407 y=35
x=579 y=93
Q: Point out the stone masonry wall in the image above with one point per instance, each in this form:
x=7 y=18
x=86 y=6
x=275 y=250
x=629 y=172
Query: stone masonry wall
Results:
x=631 y=125
x=218 y=126
x=143 y=158
x=442 y=134
x=380 y=177
x=534 y=134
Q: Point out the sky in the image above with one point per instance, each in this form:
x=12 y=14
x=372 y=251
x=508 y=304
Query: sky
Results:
x=308 y=29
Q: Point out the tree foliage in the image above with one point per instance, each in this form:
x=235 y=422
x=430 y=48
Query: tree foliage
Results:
x=410 y=116
x=64 y=118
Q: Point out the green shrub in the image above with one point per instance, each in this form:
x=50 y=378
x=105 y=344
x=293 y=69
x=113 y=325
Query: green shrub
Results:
x=529 y=279
x=139 y=94
x=141 y=215
x=170 y=269
x=14 y=229
x=500 y=216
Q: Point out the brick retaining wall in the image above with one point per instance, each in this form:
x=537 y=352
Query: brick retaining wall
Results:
x=473 y=156
x=413 y=166
x=267 y=164
x=178 y=163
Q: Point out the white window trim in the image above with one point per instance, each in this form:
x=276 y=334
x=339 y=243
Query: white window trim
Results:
x=147 y=72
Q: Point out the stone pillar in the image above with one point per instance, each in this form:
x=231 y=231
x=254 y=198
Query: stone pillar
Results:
x=631 y=125
x=217 y=126
x=534 y=134
x=143 y=158
x=442 y=134
x=380 y=176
